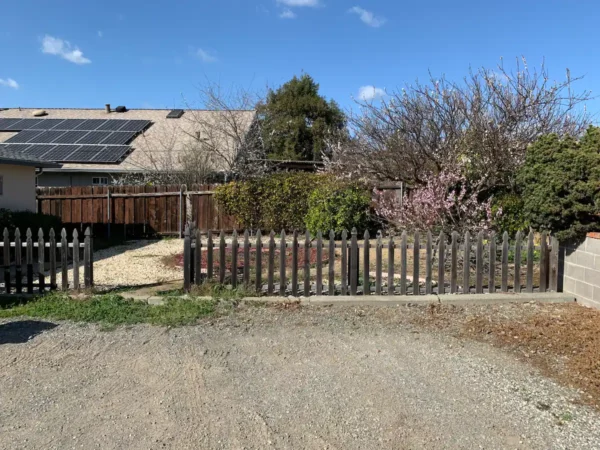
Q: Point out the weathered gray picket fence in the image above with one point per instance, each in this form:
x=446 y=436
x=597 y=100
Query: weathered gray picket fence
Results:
x=487 y=267
x=43 y=260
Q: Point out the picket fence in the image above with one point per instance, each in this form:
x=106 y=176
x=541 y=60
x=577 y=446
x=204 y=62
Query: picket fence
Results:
x=43 y=260
x=487 y=268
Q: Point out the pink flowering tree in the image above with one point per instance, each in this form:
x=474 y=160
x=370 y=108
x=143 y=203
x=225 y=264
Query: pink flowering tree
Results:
x=447 y=201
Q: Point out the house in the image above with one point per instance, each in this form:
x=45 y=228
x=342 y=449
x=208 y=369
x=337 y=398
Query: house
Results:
x=18 y=172
x=105 y=145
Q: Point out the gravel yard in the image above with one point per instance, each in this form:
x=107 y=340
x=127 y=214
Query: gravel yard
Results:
x=342 y=377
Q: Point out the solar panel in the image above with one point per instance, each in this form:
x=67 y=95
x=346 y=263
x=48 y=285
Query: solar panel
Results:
x=112 y=125
x=94 y=137
x=90 y=124
x=60 y=152
x=112 y=154
x=30 y=123
x=69 y=124
x=39 y=149
x=118 y=138
x=24 y=136
x=83 y=153
x=135 y=125
x=46 y=137
x=70 y=137
x=48 y=124
x=5 y=123
x=175 y=114
x=16 y=126
x=16 y=147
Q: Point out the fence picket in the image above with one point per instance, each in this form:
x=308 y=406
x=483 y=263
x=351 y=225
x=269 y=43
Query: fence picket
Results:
x=344 y=267
x=404 y=262
x=504 y=286
x=454 y=263
x=543 y=262
x=331 y=263
x=479 y=264
x=222 y=257
x=319 y=287
x=29 y=261
x=354 y=262
x=416 y=263
x=492 y=262
x=76 y=260
x=307 y=264
x=52 y=255
x=187 y=259
x=378 y=263
x=428 y=263
x=18 y=262
x=553 y=275
x=258 y=278
x=209 y=256
x=88 y=259
x=366 y=264
x=6 y=261
x=246 y=258
x=390 y=249
x=41 y=262
x=517 y=279
x=295 y=264
x=441 y=263
x=198 y=258
x=282 y=258
x=530 y=255
x=467 y=264
x=64 y=260
x=271 y=264
x=234 y=259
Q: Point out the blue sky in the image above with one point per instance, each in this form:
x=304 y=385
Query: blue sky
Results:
x=147 y=54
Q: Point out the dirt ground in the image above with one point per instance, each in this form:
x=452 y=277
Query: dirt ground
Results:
x=290 y=377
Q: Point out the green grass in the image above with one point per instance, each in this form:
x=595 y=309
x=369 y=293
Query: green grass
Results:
x=214 y=290
x=113 y=310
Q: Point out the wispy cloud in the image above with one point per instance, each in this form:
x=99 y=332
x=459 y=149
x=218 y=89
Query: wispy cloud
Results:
x=64 y=49
x=9 y=82
x=205 y=56
x=370 y=93
x=368 y=17
x=287 y=14
x=311 y=3
x=100 y=34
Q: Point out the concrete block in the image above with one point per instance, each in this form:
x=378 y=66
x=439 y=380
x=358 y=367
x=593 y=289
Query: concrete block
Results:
x=589 y=303
x=592 y=276
x=596 y=294
x=571 y=257
x=584 y=290
x=597 y=263
x=592 y=245
x=574 y=271
x=569 y=285
x=586 y=259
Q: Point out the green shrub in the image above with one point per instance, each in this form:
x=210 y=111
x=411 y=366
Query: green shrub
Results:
x=337 y=205
x=512 y=219
x=560 y=181
x=27 y=219
x=273 y=202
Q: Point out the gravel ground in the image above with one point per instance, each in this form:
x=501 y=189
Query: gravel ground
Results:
x=136 y=263
x=340 y=377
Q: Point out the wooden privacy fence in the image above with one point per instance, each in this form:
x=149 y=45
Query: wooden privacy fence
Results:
x=44 y=260
x=390 y=266
x=140 y=210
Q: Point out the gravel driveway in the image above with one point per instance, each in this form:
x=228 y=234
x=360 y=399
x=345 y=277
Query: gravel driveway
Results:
x=314 y=378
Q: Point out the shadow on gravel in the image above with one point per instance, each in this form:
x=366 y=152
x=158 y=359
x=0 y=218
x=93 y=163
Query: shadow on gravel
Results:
x=23 y=331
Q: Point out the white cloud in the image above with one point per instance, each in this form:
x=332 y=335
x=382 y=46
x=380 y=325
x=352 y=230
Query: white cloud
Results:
x=9 y=82
x=59 y=47
x=311 y=3
x=205 y=56
x=368 y=17
x=288 y=14
x=100 y=34
x=370 y=93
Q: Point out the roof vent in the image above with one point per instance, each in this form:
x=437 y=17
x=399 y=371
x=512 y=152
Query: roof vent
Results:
x=39 y=113
x=121 y=109
x=175 y=114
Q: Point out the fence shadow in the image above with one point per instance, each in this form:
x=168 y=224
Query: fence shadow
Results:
x=23 y=331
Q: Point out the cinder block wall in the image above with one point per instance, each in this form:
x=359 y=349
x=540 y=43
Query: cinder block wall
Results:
x=581 y=270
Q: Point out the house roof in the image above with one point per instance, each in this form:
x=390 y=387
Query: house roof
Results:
x=22 y=159
x=163 y=145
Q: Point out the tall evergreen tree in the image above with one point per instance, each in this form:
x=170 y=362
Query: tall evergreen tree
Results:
x=296 y=121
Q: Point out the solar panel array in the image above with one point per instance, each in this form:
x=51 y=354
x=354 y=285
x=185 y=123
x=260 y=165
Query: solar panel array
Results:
x=96 y=141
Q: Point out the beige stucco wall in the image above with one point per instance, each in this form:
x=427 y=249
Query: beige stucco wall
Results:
x=18 y=191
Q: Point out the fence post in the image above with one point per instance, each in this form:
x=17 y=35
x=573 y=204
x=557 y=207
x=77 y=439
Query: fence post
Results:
x=6 y=251
x=319 y=289
x=428 y=263
x=467 y=264
x=234 y=259
x=75 y=260
x=295 y=265
x=29 y=261
x=544 y=262
x=52 y=259
x=404 y=261
x=390 y=265
x=181 y=220
x=442 y=264
x=504 y=284
x=222 y=257
x=366 y=264
x=517 y=282
x=554 y=252
x=88 y=259
x=344 y=265
x=378 y=263
x=246 y=258
x=108 y=211
x=416 y=264
x=530 y=255
x=282 y=258
x=258 y=280
x=271 y=264
x=198 y=257
x=479 y=264
x=41 y=262
x=64 y=260
x=187 y=255
x=492 y=258
x=307 y=264
x=353 y=262
x=331 y=263
x=209 y=255
x=454 y=264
